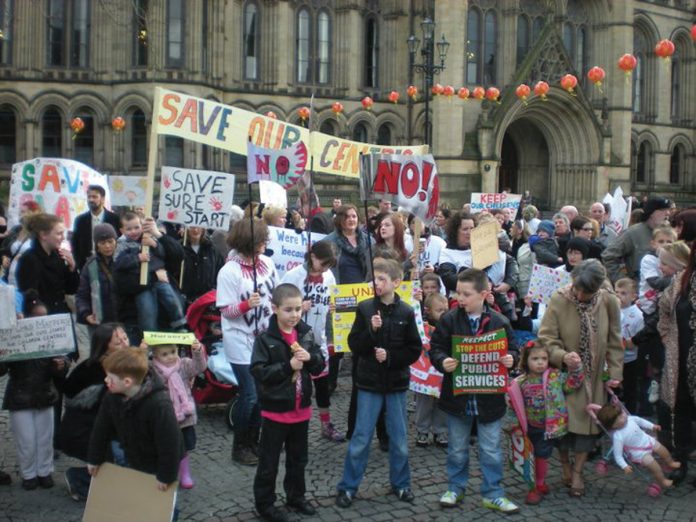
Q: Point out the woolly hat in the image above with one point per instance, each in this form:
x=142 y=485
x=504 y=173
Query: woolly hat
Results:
x=653 y=204
x=546 y=226
x=580 y=244
x=102 y=232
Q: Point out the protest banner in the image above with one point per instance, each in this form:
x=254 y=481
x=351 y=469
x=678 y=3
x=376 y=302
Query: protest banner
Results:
x=346 y=299
x=196 y=198
x=127 y=191
x=8 y=306
x=270 y=193
x=545 y=281
x=288 y=248
x=478 y=357
x=284 y=167
x=118 y=494
x=488 y=201
x=155 y=338
x=522 y=456
x=484 y=245
x=38 y=337
x=425 y=378
x=408 y=181
x=59 y=186
x=620 y=210
x=230 y=128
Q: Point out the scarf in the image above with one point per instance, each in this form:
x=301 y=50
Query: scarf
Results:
x=359 y=250
x=178 y=392
x=588 y=348
x=691 y=357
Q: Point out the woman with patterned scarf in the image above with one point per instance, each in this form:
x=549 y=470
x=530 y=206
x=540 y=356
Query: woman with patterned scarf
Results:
x=582 y=324
x=676 y=325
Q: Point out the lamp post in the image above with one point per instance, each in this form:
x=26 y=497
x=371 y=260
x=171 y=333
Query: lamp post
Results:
x=428 y=66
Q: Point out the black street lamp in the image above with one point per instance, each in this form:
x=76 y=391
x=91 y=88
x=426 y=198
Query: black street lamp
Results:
x=427 y=66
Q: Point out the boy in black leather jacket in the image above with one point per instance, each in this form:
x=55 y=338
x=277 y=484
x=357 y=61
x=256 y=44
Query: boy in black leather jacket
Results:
x=284 y=356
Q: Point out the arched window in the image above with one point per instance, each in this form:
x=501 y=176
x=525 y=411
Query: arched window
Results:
x=384 y=135
x=677 y=164
x=482 y=46
x=175 y=33
x=304 y=71
x=473 y=44
x=84 y=141
x=52 y=134
x=568 y=37
x=537 y=27
x=8 y=135
x=323 y=46
x=643 y=103
x=68 y=33
x=523 y=31
x=644 y=162
x=683 y=58
x=490 y=48
x=313 y=46
x=6 y=17
x=138 y=139
x=360 y=133
x=140 y=36
x=327 y=127
x=580 y=51
x=371 y=52
x=173 y=151
x=251 y=41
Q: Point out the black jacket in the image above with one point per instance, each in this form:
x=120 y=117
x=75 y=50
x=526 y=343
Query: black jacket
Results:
x=49 y=276
x=32 y=384
x=126 y=268
x=491 y=407
x=270 y=366
x=398 y=336
x=84 y=300
x=146 y=427
x=81 y=241
x=200 y=270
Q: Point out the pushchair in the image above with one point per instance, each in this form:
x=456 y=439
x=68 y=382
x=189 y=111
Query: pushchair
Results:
x=217 y=384
x=602 y=466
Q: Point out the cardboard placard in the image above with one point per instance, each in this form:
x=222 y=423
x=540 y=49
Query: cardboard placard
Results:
x=127 y=191
x=289 y=247
x=425 y=378
x=120 y=494
x=545 y=281
x=285 y=166
x=346 y=299
x=8 y=307
x=270 y=193
x=196 y=198
x=489 y=201
x=484 y=245
x=38 y=337
x=154 y=338
x=478 y=357
x=522 y=456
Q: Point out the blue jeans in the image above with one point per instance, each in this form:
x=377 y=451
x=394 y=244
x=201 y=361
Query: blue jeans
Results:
x=149 y=301
x=369 y=406
x=246 y=413
x=490 y=455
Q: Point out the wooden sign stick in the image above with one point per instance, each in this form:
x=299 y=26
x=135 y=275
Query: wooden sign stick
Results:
x=150 y=178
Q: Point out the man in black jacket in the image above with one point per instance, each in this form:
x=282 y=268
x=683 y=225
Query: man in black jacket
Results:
x=81 y=241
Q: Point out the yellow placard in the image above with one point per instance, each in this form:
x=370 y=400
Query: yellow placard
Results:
x=154 y=338
x=484 y=245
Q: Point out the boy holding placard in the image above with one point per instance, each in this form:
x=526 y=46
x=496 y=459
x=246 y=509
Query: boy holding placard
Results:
x=483 y=340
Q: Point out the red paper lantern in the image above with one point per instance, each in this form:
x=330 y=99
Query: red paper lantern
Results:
x=569 y=82
x=118 y=124
x=693 y=32
x=437 y=89
x=272 y=115
x=479 y=93
x=337 y=108
x=448 y=91
x=596 y=75
x=303 y=113
x=77 y=125
x=664 y=49
x=412 y=92
x=492 y=94
x=463 y=93
x=627 y=63
x=541 y=89
x=394 y=96
x=367 y=103
x=523 y=91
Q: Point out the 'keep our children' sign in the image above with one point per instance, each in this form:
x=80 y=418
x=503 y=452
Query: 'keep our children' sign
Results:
x=407 y=181
x=483 y=201
x=196 y=198
x=479 y=369
x=58 y=185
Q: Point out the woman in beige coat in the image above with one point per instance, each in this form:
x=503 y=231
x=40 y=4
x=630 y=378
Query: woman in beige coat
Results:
x=582 y=326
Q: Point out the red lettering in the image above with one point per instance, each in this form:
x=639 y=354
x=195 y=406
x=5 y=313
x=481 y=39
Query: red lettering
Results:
x=189 y=111
x=167 y=104
x=387 y=178
x=263 y=164
x=410 y=178
x=49 y=174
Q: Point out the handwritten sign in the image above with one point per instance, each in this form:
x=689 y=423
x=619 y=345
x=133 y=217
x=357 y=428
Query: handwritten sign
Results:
x=284 y=167
x=59 y=186
x=347 y=297
x=127 y=191
x=522 y=456
x=479 y=369
x=230 y=128
x=196 y=198
x=38 y=337
x=545 y=281
x=154 y=338
x=484 y=245
x=485 y=201
x=408 y=181
x=289 y=247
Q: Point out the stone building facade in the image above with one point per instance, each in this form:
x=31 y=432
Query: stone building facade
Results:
x=100 y=59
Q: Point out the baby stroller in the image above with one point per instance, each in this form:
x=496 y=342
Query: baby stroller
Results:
x=217 y=384
x=602 y=466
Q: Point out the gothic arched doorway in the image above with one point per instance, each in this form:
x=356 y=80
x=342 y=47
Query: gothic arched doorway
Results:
x=524 y=161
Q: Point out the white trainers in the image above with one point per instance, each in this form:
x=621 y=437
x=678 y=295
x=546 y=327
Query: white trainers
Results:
x=653 y=392
x=501 y=504
x=451 y=499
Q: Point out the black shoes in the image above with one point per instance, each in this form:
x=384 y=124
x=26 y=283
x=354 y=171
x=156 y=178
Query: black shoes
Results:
x=273 y=514
x=303 y=506
x=5 y=479
x=405 y=495
x=46 y=482
x=344 y=499
x=384 y=445
x=30 y=484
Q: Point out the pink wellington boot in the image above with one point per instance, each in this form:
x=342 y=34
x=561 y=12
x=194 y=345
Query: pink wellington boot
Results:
x=185 y=479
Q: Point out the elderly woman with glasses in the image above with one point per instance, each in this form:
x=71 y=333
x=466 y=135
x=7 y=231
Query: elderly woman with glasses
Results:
x=582 y=326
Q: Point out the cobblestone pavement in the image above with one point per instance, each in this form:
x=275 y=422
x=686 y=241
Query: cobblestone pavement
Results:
x=223 y=490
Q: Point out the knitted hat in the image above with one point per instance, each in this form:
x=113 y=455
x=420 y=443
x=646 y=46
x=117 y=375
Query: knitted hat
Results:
x=580 y=244
x=546 y=226
x=102 y=232
x=653 y=204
